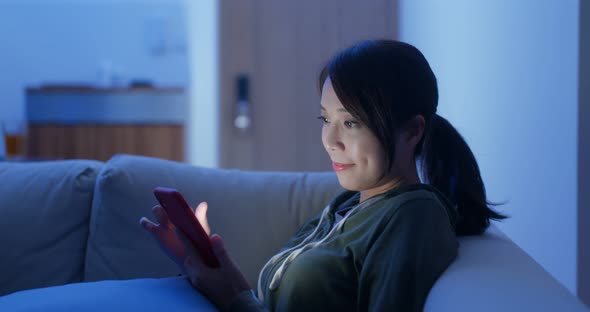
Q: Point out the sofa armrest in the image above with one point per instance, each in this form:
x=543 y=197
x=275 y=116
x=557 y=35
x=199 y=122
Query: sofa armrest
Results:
x=45 y=210
x=492 y=273
x=254 y=212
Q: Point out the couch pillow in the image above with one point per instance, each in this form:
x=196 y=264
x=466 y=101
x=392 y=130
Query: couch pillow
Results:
x=245 y=208
x=44 y=209
x=157 y=295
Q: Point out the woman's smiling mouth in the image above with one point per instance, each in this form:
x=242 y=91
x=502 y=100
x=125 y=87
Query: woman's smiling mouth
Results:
x=341 y=167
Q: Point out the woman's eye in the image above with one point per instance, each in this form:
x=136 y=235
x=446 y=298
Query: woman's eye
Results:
x=351 y=124
x=323 y=119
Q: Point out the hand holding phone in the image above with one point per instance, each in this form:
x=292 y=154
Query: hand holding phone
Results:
x=183 y=218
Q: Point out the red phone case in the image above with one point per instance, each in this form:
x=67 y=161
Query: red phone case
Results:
x=183 y=218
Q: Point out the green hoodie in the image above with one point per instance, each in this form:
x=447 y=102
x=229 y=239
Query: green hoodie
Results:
x=385 y=256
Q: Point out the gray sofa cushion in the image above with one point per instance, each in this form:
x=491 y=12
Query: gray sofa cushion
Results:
x=272 y=206
x=44 y=208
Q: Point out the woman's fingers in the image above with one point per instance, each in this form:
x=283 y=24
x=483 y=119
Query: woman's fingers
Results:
x=201 y=214
x=162 y=221
x=148 y=224
x=155 y=229
x=192 y=263
x=188 y=245
x=162 y=216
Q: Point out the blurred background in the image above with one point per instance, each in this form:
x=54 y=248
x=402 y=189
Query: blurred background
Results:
x=233 y=84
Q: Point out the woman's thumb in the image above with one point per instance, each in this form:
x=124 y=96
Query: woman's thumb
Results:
x=219 y=249
x=238 y=280
x=201 y=214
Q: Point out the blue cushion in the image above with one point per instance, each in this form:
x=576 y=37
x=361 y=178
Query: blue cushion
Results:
x=165 y=294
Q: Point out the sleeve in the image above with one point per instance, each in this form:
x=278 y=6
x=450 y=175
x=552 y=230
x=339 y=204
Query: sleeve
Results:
x=404 y=260
x=246 y=301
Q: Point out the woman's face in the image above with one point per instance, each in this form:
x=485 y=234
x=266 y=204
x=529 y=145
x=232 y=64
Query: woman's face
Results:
x=357 y=156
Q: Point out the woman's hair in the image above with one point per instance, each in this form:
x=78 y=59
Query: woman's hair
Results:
x=385 y=83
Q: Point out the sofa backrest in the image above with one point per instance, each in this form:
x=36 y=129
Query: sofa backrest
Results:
x=44 y=215
x=245 y=208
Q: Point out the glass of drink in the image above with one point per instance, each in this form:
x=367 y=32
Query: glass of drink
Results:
x=14 y=132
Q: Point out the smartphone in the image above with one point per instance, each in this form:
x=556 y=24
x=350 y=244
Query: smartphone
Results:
x=184 y=219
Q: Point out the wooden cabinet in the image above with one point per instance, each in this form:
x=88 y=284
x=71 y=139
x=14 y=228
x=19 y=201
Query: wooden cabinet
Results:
x=88 y=123
x=101 y=142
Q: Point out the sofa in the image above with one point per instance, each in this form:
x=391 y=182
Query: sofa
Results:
x=71 y=239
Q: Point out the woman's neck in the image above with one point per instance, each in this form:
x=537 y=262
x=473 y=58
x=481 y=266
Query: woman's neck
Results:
x=410 y=177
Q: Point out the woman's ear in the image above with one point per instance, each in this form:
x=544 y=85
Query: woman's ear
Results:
x=414 y=130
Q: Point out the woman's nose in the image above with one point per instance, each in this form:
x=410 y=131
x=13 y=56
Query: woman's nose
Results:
x=331 y=138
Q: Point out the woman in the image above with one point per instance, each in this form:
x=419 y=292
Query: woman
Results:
x=383 y=243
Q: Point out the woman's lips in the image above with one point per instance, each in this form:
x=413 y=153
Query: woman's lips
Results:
x=340 y=167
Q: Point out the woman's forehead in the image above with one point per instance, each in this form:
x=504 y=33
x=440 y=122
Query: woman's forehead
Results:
x=329 y=100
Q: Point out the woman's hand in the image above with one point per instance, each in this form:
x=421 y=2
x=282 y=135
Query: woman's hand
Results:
x=165 y=233
x=222 y=284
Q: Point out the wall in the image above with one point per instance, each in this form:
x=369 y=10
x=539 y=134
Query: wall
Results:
x=508 y=81
x=203 y=58
x=66 y=41
x=584 y=156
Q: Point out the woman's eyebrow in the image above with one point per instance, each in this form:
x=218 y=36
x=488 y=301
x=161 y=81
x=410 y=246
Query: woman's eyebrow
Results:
x=340 y=110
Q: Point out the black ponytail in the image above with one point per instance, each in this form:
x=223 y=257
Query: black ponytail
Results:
x=449 y=165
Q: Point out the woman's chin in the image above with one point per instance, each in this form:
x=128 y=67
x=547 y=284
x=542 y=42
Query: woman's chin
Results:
x=347 y=184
